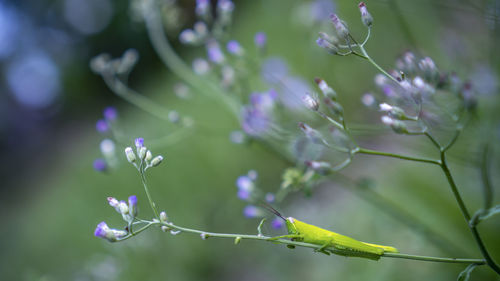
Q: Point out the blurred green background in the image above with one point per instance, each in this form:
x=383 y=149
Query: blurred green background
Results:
x=53 y=199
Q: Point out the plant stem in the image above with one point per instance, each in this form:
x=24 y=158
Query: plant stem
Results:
x=150 y=199
x=363 y=51
x=302 y=244
x=466 y=214
x=394 y=155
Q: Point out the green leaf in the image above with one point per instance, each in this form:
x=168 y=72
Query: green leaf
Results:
x=482 y=214
x=492 y=211
x=259 y=228
x=465 y=275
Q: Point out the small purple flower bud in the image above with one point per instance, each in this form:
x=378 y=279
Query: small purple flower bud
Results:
x=263 y=101
x=201 y=29
x=100 y=165
x=277 y=223
x=102 y=230
x=342 y=30
x=368 y=100
x=200 y=66
x=260 y=39
x=234 y=48
x=214 y=52
x=332 y=49
x=188 y=36
x=243 y=194
x=255 y=122
x=245 y=183
x=202 y=7
x=252 y=174
x=132 y=205
x=225 y=6
x=113 y=202
x=366 y=18
x=325 y=88
x=251 y=211
x=110 y=113
x=270 y=197
x=101 y=126
x=139 y=142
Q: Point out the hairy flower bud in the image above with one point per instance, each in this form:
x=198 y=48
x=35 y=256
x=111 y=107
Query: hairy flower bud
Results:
x=130 y=155
x=326 y=89
x=340 y=26
x=366 y=18
x=397 y=126
x=311 y=102
x=156 y=161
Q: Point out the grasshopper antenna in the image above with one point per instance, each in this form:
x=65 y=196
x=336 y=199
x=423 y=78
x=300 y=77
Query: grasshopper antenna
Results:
x=272 y=210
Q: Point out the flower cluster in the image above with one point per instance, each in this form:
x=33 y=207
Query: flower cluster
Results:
x=128 y=212
x=142 y=158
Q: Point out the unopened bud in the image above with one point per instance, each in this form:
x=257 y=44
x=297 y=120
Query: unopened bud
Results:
x=149 y=156
x=397 y=126
x=332 y=49
x=321 y=167
x=237 y=240
x=175 y=232
x=393 y=111
x=310 y=102
x=204 y=236
x=132 y=205
x=130 y=154
x=163 y=217
x=340 y=26
x=188 y=36
x=326 y=89
x=334 y=106
x=142 y=152
x=156 y=161
x=366 y=18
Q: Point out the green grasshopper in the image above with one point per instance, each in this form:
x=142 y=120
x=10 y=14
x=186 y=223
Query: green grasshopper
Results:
x=330 y=241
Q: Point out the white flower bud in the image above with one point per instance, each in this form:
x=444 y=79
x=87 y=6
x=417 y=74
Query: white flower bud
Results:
x=163 y=217
x=142 y=152
x=107 y=148
x=310 y=102
x=340 y=26
x=385 y=107
x=204 y=236
x=156 y=161
x=130 y=154
x=175 y=232
x=149 y=156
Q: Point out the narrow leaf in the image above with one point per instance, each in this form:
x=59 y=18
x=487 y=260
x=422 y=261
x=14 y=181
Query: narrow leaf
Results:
x=259 y=228
x=465 y=275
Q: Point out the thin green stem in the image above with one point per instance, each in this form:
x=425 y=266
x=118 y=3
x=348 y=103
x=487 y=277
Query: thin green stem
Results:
x=363 y=51
x=485 y=177
x=489 y=260
x=301 y=244
x=146 y=189
x=394 y=155
x=163 y=48
x=432 y=139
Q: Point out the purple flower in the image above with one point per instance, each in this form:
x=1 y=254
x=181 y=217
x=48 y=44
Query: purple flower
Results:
x=101 y=230
x=244 y=183
x=100 y=165
x=202 y=7
x=226 y=6
x=274 y=69
x=277 y=223
x=139 y=142
x=101 y=126
x=251 y=211
x=321 y=9
x=132 y=205
x=254 y=121
x=234 y=48
x=214 y=52
x=260 y=39
x=270 y=197
x=243 y=194
x=263 y=101
x=110 y=113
